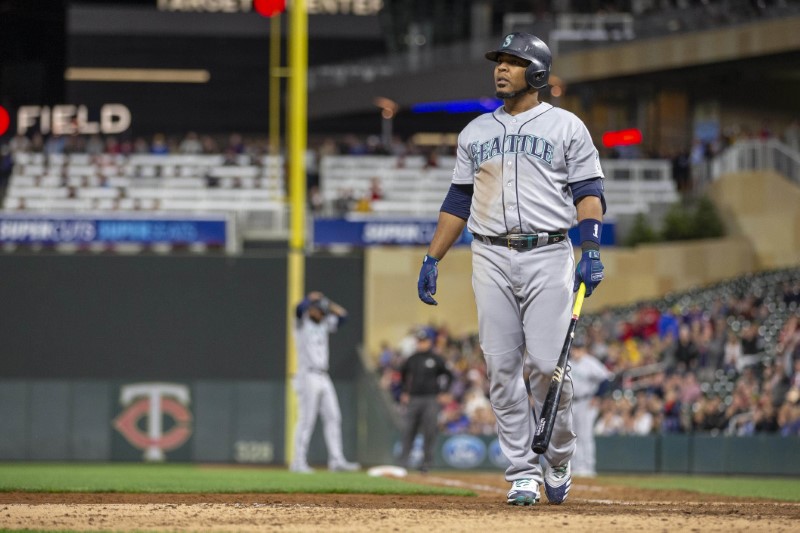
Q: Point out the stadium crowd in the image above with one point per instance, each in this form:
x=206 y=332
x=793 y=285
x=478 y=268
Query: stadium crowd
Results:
x=720 y=364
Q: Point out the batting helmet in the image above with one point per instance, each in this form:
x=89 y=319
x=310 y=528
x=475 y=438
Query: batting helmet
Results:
x=530 y=47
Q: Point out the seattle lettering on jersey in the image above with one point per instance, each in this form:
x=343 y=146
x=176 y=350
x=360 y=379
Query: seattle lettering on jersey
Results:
x=482 y=151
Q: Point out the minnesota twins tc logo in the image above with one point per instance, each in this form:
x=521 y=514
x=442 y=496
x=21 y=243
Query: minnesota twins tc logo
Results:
x=152 y=401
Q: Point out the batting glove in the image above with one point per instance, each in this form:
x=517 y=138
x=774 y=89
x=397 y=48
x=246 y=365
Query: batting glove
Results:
x=426 y=285
x=589 y=271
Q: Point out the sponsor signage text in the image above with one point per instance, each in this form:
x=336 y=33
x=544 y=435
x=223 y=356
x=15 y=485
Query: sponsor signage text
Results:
x=314 y=7
x=68 y=119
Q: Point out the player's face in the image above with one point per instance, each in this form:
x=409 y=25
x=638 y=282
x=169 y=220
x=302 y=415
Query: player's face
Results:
x=315 y=314
x=509 y=76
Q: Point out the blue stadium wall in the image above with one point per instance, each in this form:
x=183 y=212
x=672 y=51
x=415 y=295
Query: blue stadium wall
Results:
x=88 y=339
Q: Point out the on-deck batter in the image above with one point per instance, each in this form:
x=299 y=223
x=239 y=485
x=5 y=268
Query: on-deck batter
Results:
x=522 y=174
x=317 y=317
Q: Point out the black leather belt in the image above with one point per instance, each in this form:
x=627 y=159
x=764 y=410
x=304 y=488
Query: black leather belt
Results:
x=522 y=241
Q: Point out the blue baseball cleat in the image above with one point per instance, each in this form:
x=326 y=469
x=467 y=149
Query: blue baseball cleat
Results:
x=557 y=481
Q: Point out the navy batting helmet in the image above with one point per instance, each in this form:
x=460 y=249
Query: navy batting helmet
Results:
x=530 y=47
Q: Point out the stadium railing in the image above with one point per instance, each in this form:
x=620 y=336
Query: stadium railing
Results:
x=769 y=154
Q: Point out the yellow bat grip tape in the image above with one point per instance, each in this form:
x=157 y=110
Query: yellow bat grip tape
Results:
x=576 y=309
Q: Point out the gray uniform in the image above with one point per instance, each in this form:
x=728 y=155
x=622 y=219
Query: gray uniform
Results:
x=315 y=391
x=587 y=374
x=521 y=166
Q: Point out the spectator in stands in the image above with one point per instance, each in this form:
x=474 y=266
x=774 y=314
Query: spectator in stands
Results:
x=483 y=421
x=230 y=158
x=690 y=391
x=432 y=159
x=55 y=145
x=788 y=347
x=611 y=421
x=354 y=146
x=709 y=415
x=789 y=414
x=732 y=358
x=776 y=382
x=681 y=171
x=316 y=201
x=454 y=421
x=363 y=205
x=642 y=420
x=765 y=416
x=236 y=143
x=672 y=419
x=159 y=145
x=344 y=202
x=375 y=190
x=791 y=135
x=112 y=145
x=752 y=344
x=140 y=146
x=6 y=164
x=210 y=145
x=794 y=379
x=191 y=144
x=686 y=350
x=20 y=143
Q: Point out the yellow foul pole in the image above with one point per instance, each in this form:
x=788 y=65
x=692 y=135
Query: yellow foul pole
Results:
x=297 y=127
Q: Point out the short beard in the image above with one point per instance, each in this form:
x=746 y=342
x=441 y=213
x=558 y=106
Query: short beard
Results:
x=512 y=94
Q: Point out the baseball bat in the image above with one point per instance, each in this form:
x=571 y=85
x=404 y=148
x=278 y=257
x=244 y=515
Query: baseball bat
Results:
x=544 y=429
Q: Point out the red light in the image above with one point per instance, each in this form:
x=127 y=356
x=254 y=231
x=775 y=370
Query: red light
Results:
x=269 y=8
x=622 y=138
x=5 y=120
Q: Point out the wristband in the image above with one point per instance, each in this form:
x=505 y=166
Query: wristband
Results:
x=589 y=231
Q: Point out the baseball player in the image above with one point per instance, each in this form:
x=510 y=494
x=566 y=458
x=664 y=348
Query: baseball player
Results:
x=317 y=317
x=587 y=374
x=523 y=174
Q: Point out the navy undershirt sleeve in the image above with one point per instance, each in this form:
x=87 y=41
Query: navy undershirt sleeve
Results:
x=590 y=187
x=458 y=200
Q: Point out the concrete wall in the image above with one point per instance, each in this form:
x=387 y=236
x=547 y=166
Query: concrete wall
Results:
x=763 y=209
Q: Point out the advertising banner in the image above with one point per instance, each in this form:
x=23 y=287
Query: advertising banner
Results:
x=400 y=231
x=28 y=228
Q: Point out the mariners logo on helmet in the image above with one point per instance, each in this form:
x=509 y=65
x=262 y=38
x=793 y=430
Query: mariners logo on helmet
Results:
x=530 y=48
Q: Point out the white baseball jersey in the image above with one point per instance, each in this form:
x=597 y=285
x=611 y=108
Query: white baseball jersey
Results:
x=312 y=342
x=521 y=166
x=587 y=374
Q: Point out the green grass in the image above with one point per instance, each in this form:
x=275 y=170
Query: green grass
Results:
x=180 y=478
x=787 y=489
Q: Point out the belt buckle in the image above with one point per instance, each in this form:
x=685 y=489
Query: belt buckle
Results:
x=518 y=241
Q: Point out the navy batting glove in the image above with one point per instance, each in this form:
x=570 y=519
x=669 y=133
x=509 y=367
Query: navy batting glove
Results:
x=426 y=285
x=589 y=271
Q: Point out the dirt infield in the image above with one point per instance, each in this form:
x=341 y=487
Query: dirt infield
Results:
x=592 y=506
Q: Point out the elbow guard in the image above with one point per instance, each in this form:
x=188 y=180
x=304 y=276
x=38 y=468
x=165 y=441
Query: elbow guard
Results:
x=590 y=187
x=458 y=200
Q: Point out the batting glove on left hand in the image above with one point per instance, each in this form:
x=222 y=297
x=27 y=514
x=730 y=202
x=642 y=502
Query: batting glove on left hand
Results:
x=589 y=271
x=426 y=285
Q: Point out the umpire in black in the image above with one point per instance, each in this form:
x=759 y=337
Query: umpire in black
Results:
x=422 y=384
